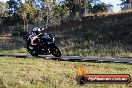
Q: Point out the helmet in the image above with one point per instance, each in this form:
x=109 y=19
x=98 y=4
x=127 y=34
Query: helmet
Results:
x=36 y=31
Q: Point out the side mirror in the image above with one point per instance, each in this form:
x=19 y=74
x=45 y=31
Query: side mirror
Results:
x=43 y=29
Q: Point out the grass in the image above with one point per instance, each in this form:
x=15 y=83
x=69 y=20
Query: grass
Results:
x=91 y=48
x=42 y=73
x=14 y=51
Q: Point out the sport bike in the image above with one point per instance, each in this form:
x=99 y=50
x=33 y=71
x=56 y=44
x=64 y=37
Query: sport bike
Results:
x=46 y=45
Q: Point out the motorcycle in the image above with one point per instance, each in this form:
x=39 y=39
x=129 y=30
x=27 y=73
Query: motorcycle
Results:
x=46 y=45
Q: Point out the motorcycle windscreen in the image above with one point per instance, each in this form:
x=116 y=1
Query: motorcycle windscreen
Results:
x=46 y=38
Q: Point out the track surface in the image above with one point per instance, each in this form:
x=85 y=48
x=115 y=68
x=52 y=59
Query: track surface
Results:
x=75 y=58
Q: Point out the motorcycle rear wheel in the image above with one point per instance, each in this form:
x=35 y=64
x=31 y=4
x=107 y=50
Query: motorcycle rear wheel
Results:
x=33 y=53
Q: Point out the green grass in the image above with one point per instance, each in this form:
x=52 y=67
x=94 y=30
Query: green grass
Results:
x=86 y=48
x=14 y=51
x=42 y=73
x=93 y=49
x=72 y=46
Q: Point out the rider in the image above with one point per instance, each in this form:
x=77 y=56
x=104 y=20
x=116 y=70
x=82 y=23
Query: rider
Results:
x=33 y=38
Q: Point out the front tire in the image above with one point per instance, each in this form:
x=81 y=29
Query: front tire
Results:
x=55 y=51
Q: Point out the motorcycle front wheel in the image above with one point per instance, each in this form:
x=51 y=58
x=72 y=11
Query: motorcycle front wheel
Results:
x=55 y=51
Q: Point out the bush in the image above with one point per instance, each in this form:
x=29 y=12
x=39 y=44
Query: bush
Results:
x=18 y=31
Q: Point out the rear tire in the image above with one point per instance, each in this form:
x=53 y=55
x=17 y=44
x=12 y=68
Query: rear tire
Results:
x=33 y=53
x=55 y=51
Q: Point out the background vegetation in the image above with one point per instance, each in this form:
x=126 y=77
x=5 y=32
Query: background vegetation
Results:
x=33 y=12
x=100 y=35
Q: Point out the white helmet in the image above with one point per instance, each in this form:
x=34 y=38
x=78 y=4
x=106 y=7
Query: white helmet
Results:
x=36 y=31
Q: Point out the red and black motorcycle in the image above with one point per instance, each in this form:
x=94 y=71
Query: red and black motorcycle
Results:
x=46 y=45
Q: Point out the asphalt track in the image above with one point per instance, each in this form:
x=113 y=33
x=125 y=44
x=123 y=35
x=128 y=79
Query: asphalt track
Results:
x=75 y=58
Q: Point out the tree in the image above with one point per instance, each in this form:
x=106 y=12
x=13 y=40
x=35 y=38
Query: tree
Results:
x=2 y=8
x=1 y=11
x=12 y=6
x=75 y=6
x=122 y=4
x=101 y=7
x=28 y=13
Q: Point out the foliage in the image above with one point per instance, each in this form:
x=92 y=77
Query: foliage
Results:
x=27 y=12
x=89 y=6
x=100 y=7
x=75 y=6
x=30 y=12
x=19 y=31
x=81 y=6
x=123 y=2
x=1 y=6
x=3 y=11
x=13 y=6
x=60 y=11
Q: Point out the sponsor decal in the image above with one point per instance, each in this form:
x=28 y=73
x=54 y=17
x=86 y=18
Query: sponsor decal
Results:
x=83 y=78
